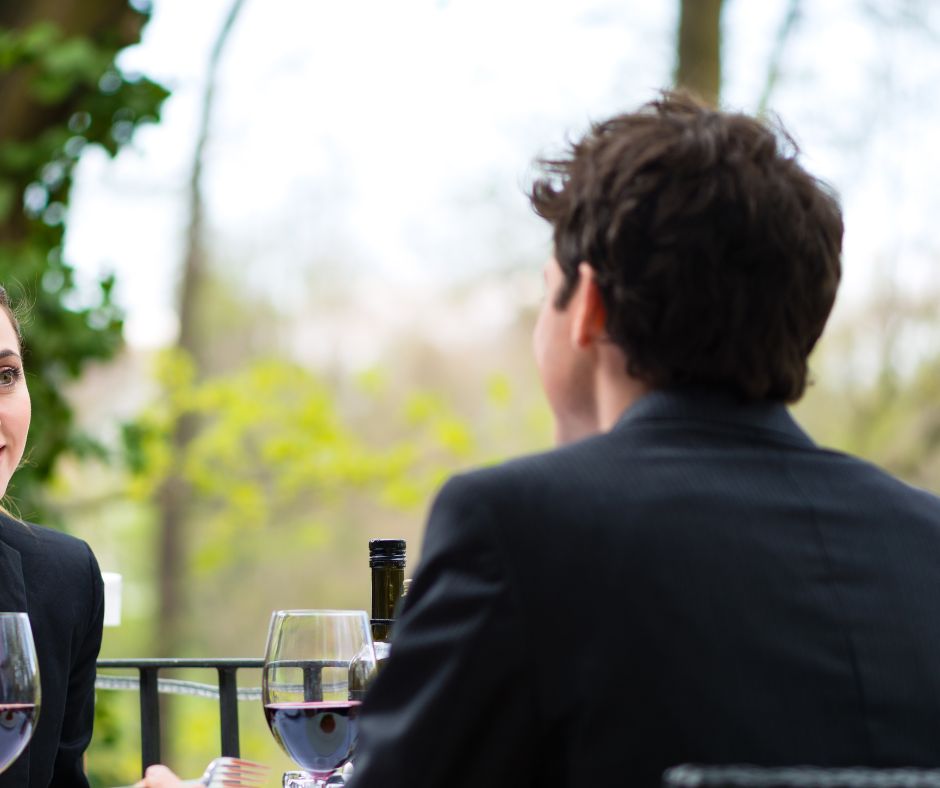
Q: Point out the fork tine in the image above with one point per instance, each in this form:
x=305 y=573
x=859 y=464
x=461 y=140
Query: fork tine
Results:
x=241 y=763
x=251 y=774
x=234 y=772
x=247 y=770
x=256 y=773
x=219 y=780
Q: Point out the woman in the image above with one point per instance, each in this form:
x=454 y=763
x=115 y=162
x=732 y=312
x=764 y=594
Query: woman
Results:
x=55 y=579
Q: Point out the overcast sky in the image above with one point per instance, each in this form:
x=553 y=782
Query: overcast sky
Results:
x=393 y=140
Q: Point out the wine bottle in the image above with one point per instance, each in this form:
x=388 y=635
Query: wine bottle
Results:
x=401 y=600
x=387 y=562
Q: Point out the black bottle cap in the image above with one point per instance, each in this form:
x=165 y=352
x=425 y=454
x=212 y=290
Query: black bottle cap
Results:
x=386 y=552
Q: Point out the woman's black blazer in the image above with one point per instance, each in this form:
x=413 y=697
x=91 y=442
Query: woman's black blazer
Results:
x=55 y=579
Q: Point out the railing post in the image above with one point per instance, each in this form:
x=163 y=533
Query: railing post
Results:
x=313 y=681
x=149 y=717
x=228 y=710
x=148 y=670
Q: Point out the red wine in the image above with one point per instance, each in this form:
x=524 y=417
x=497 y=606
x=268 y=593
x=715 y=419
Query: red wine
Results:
x=319 y=736
x=16 y=728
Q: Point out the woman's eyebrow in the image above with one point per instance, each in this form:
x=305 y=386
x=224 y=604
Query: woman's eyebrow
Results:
x=7 y=352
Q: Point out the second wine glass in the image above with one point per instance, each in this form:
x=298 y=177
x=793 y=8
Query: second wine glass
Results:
x=19 y=686
x=316 y=666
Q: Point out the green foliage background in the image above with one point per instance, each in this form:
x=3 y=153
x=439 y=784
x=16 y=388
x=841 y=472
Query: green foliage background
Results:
x=67 y=326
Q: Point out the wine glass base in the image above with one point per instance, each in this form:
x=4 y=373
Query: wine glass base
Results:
x=307 y=780
x=299 y=780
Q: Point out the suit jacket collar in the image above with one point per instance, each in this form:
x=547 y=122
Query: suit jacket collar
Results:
x=12 y=587
x=716 y=408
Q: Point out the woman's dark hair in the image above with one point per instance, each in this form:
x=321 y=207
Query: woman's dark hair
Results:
x=716 y=254
x=8 y=308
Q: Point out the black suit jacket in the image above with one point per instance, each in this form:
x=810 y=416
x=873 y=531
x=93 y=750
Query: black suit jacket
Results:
x=702 y=583
x=55 y=578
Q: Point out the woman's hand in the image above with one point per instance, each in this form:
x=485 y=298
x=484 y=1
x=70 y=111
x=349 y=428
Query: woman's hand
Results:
x=159 y=777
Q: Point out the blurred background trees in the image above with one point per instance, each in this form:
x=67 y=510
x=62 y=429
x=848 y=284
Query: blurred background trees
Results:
x=311 y=393
x=698 y=48
x=60 y=91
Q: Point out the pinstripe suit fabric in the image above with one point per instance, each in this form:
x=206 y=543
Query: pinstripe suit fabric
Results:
x=703 y=583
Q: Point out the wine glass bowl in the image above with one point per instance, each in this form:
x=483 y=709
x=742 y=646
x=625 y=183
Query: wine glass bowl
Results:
x=19 y=686
x=316 y=666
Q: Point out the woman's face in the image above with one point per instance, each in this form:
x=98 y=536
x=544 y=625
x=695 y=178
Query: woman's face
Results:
x=15 y=409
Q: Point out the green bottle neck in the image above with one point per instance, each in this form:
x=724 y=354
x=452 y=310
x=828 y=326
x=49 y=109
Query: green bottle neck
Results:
x=387 y=585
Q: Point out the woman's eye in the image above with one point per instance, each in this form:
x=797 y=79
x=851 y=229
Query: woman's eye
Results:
x=9 y=376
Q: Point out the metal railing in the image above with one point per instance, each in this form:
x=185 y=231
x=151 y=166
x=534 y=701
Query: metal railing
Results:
x=150 y=685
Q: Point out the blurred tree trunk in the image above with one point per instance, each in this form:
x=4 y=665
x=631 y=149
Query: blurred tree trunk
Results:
x=173 y=498
x=784 y=34
x=698 y=68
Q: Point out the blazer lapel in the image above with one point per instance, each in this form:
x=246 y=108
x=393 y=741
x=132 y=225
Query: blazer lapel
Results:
x=13 y=600
x=12 y=587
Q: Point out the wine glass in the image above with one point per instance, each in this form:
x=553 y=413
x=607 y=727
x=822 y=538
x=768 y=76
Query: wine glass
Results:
x=317 y=664
x=19 y=686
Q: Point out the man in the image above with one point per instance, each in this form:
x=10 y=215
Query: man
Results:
x=687 y=578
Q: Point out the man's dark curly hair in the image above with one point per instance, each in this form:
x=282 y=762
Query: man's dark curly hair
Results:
x=715 y=252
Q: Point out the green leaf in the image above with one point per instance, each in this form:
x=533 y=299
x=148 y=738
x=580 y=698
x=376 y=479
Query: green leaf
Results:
x=8 y=199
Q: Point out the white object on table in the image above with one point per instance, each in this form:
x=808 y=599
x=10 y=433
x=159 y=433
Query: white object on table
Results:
x=112 y=598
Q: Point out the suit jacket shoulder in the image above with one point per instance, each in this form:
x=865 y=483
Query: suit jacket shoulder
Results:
x=48 y=551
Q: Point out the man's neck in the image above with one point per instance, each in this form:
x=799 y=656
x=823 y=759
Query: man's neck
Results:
x=615 y=396
x=614 y=391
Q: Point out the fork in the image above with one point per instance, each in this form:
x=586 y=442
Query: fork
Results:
x=229 y=772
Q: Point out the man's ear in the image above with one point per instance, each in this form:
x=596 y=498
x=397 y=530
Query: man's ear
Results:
x=589 y=316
